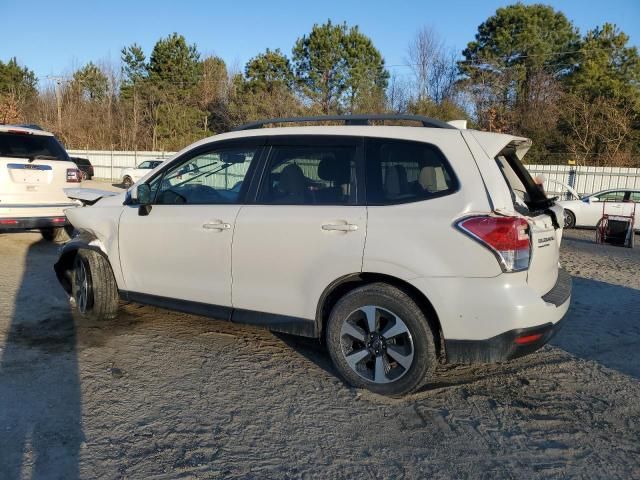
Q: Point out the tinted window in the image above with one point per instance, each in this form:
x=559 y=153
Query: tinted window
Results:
x=213 y=177
x=308 y=175
x=635 y=197
x=400 y=171
x=23 y=145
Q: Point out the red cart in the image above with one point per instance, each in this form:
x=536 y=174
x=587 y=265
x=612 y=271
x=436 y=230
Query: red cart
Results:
x=617 y=227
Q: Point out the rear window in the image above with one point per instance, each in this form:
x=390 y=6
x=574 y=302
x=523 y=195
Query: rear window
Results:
x=400 y=171
x=21 y=145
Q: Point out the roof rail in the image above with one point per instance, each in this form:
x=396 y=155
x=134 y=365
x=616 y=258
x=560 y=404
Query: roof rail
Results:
x=350 y=120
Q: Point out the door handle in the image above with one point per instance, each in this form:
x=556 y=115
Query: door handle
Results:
x=341 y=227
x=216 y=226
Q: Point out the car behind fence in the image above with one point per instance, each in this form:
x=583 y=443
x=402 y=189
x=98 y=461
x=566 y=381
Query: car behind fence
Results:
x=585 y=180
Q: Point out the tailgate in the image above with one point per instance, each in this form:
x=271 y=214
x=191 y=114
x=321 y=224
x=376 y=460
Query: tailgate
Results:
x=542 y=214
x=37 y=182
x=545 y=253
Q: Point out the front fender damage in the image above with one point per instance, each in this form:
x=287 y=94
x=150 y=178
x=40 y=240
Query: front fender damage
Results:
x=64 y=266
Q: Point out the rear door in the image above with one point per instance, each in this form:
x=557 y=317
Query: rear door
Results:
x=305 y=229
x=33 y=169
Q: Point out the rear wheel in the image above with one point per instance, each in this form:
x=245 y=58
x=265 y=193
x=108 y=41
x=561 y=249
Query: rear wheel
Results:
x=94 y=290
x=379 y=339
x=54 y=234
x=569 y=219
x=127 y=181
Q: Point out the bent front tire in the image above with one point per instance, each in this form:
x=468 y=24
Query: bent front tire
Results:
x=379 y=339
x=94 y=289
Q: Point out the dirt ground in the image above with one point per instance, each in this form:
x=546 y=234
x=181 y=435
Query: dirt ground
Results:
x=156 y=394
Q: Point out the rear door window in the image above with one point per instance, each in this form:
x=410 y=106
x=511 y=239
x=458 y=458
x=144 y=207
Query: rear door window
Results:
x=29 y=146
x=310 y=175
x=400 y=171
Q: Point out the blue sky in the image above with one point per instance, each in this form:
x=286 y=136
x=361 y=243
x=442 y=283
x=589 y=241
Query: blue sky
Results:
x=54 y=37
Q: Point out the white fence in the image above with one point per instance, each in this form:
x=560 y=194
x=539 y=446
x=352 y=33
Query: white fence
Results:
x=587 y=179
x=109 y=165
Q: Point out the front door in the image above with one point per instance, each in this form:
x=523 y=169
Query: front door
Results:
x=181 y=249
x=305 y=230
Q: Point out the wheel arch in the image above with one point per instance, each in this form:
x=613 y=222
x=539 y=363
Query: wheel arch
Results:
x=343 y=285
x=85 y=240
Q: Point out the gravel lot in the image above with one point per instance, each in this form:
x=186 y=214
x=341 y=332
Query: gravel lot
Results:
x=155 y=394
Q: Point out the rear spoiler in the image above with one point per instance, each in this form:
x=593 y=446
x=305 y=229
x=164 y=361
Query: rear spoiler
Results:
x=495 y=143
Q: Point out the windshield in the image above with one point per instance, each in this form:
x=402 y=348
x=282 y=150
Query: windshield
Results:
x=25 y=145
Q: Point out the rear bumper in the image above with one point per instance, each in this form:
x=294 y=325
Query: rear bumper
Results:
x=517 y=342
x=31 y=223
x=495 y=319
x=502 y=347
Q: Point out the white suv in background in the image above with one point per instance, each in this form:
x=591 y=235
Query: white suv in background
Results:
x=400 y=247
x=34 y=170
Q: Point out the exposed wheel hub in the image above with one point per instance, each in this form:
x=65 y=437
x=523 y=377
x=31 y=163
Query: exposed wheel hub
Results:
x=376 y=343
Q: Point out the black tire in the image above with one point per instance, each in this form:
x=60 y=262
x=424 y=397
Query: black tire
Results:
x=569 y=219
x=54 y=234
x=127 y=181
x=100 y=291
x=390 y=305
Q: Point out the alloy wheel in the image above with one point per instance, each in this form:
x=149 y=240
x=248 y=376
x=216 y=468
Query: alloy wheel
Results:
x=377 y=344
x=82 y=287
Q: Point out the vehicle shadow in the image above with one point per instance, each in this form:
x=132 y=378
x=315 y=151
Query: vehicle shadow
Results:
x=603 y=324
x=40 y=397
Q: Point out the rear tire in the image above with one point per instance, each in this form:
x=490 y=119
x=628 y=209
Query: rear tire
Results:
x=379 y=339
x=569 y=219
x=94 y=289
x=54 y=234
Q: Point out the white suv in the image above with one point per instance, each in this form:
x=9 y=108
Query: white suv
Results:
x=400 y=247
x=34 y=169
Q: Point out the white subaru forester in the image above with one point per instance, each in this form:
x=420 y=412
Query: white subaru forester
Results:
x=398 y=246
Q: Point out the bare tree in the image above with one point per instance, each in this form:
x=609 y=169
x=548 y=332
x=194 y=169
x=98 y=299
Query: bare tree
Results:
x=598 y=131
x=397 y=94
x=434 y=66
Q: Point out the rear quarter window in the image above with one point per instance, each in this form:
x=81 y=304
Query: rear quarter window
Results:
x=402 y=171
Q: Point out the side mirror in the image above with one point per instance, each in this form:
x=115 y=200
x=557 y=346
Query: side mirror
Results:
x=141 y=194
x=593 y=199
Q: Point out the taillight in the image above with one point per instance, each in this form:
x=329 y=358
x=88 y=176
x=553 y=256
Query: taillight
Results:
x=73 y=175
x=507 y=237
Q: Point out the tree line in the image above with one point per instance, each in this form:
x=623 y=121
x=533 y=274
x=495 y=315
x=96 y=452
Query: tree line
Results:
x=527 y=72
